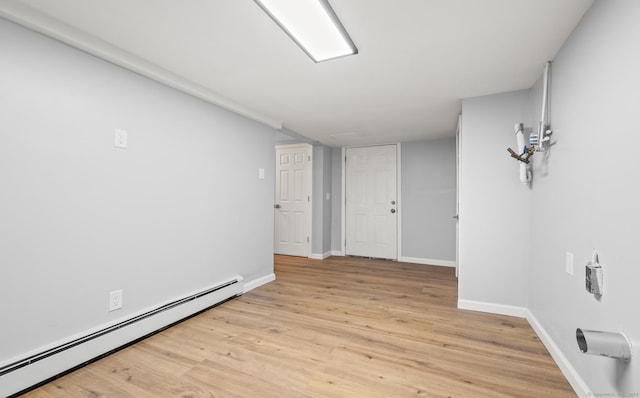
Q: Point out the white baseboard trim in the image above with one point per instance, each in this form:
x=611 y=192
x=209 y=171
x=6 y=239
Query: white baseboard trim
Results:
x=492 y=308
x=569 y=372
x=248 y=286
x=428 y=261
x=577 y=383
x=337 y=253
x=318 y=256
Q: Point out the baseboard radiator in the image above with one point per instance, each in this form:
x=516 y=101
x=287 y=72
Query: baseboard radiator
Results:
x=44 y=366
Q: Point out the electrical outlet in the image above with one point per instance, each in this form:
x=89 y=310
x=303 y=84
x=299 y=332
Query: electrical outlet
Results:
x=115 y=300
x=120 y=138
x=569 y=263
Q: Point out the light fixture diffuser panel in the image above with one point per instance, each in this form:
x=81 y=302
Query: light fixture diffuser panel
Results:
x=313 y=25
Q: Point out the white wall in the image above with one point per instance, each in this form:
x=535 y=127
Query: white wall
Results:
x=336 y=199
x=179 y=210
x=327 y=215
x=321 y=206
x=586 y=194
x=429 y=200
x=494 y=224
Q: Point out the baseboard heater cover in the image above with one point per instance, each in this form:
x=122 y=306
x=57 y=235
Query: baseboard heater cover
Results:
x=22 y=375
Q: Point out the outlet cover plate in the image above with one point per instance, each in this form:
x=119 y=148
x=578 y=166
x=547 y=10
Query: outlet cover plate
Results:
x=120 y=138
x=115 y=300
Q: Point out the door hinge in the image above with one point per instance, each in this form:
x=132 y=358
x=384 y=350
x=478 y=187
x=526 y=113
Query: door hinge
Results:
x=307 y=239
x=309 y=158
x=308 y=198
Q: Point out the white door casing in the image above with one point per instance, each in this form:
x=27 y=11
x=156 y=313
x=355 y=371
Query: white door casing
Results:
x=292 y=235
x=371 y=208
x=457 y=216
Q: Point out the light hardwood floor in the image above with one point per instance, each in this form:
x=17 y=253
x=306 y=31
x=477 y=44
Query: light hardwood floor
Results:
x=342 y=327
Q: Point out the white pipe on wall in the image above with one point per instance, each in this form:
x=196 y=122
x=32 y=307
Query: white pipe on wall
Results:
x=544 y=113
x=545 y=94
x=525 y=175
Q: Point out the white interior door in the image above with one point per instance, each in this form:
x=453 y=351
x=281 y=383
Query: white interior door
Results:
x=293 y=200
x=371 y=202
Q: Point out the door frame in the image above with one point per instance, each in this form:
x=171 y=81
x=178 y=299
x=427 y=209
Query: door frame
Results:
x=457 y=216
x=343 y=237
x=309 y=206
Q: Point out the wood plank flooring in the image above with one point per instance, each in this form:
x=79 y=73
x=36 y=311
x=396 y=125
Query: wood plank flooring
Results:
x=342 y=327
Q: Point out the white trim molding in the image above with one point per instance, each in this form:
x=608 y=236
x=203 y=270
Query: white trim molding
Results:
x=428 y=261
x=337 y=253
x=248 y=286
x=569 y=372
x=298 y=145
x=399 y=201
x=318 y=256
x=492 y=308
x=343 y=203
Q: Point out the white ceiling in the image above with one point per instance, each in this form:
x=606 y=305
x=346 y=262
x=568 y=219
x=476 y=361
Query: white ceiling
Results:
x=417 y=58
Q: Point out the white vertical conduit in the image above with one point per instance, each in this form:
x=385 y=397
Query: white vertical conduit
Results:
x=525 y=173
x=537 y=141
x=542 y=138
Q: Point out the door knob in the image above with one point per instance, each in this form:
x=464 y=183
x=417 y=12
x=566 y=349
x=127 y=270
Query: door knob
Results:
x=456 y=217
x=276 y=206
x=393 y=210
x=393 y=202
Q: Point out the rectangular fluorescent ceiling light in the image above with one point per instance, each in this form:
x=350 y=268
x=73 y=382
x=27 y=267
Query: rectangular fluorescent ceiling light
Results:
x=313 y=25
